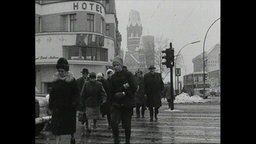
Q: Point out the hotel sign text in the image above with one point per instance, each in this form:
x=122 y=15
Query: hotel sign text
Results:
x=70 y=6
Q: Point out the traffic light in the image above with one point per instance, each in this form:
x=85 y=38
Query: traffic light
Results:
x=167 y=58
x=205 y=77
x=172 y=56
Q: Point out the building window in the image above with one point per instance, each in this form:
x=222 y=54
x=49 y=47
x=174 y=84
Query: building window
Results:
x=72 y=20
x=47 y=87
x=90 y=19
x=88 y=54
x=85 y=53
x=102 y=26
x=107 y=29
x=74 y=53
x=103 y=54
x=39 y=24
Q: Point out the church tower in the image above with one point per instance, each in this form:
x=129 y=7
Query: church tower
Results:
x=134 y=31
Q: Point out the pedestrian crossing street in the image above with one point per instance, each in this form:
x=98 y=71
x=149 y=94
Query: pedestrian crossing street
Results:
x=188 y=124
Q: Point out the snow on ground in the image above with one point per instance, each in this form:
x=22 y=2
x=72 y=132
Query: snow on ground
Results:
x=185 y=98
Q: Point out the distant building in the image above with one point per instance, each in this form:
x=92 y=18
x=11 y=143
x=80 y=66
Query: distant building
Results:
x=134 y=31
x=212 y=67
x=84 y=31
x=212 y=60
x=149 y=49
x=134 y=57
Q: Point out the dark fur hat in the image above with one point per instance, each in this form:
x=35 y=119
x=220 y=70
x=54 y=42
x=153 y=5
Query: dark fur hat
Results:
x=92 y=75
x=62 y=63
x=85 y=71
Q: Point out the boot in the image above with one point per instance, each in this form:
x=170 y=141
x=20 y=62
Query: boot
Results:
x=151 y=113
x=142 y=111
x=94 y=124
x=109 y=121
x=86 y=124
x=127 y=135
x=72 y=141
x=137 y=112
x=116 y=135
x=156 y=113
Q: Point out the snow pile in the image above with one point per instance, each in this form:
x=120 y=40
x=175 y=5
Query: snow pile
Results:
x=185 y=98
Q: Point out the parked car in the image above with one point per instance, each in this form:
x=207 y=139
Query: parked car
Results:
x=42 y=115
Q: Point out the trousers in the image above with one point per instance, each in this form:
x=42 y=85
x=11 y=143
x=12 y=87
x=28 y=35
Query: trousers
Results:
x=123 y=115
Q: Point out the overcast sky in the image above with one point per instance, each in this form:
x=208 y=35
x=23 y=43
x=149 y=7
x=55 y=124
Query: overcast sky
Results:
x=180 y=21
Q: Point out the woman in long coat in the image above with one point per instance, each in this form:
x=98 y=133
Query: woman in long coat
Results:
x=93 y=95
x=153 y=85
x=140 y=100
x=63 y=102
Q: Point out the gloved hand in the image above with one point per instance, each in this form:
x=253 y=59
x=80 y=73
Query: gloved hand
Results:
x=126 y=85
x=119 y=95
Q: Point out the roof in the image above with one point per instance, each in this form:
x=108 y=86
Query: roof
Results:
x=134 y=18
x=200 y=56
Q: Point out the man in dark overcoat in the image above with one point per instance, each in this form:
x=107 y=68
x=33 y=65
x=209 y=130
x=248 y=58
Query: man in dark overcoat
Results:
x=153 y=86
x=80 y=83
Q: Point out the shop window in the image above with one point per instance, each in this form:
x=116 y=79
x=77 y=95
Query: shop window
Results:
x=88 y=54
x=47 y=87
x=103 y=54
x=94 y=54
x=85 y=53
x=98 y=55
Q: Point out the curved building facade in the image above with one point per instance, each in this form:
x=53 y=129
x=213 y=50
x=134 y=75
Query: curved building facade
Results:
x=84 y=32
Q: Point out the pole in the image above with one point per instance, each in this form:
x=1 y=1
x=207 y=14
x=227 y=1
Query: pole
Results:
x=175 y=76
x=176 y=58
x=204 y=56
x=171 y=105
x=178 y=85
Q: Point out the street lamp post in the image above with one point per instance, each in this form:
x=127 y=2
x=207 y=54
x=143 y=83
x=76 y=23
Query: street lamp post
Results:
x=204 y=55
x=178 y=55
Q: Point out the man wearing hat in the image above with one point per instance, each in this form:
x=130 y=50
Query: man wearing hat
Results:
x=153 y=86
x=80 y=83
x=122 y=89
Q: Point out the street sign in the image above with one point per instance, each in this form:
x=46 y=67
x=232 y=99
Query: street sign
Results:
x=177 y=72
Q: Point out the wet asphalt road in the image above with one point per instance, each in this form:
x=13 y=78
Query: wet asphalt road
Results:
x=189 y=123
